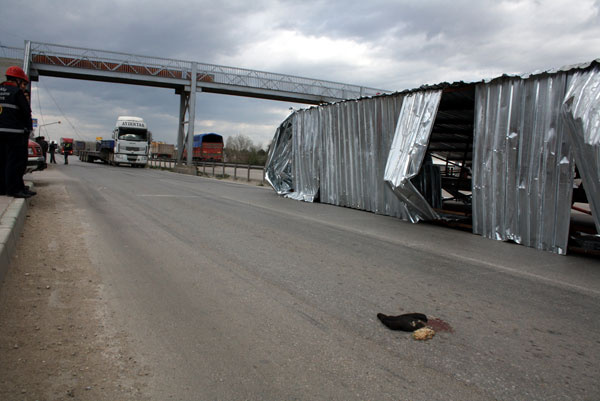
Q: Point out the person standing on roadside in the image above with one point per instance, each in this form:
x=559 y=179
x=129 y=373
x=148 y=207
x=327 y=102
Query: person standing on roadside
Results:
x=43 y=144
x=15 y=125
x=67 y=148
x=52 y=149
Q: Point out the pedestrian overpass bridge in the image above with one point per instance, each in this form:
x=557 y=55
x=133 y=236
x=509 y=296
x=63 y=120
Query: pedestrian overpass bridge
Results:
x=185 y=77
x=100 y=65
x=45 y=59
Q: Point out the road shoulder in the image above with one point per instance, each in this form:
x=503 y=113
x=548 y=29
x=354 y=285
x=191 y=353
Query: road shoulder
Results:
x=56 y=336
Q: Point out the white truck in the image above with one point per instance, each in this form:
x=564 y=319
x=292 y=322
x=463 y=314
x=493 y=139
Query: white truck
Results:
x=129 y=144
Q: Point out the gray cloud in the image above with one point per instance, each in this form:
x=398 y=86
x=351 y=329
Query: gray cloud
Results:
x=382 y=43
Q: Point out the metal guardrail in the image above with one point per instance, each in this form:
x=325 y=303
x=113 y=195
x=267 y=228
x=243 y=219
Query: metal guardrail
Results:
x=215 y=169
x=77 y=57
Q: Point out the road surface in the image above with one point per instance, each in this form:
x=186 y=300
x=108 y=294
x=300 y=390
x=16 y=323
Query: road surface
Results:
x=227 y=291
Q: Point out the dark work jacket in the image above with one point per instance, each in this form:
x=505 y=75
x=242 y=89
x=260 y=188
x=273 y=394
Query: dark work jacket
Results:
x=15 y=112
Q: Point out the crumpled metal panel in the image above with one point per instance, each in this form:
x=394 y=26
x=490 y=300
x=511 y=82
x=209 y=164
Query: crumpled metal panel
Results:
x=293 y=164
x=278 y=170
x=581 y=112
x=408 y=150
x=522 y=163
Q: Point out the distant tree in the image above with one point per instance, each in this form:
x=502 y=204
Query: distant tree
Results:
x=257 y=156
x=239 y=143
x=238 y=148
x=241 y=149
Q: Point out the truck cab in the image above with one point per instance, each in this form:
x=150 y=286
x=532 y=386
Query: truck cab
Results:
x=131 y=138
x=63 y=144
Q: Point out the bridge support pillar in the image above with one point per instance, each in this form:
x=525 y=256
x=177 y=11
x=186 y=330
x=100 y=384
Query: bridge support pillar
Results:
x=192 y=114
x=181 y=127
x=187 y=104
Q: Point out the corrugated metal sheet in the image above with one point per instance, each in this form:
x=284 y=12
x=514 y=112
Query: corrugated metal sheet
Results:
x=340 y=152
x=522 y=164
x=581 y=111
x=356 y=140
x=306 y=157
x=408 y=150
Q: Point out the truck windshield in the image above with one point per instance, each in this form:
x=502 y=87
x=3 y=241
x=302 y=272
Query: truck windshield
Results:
x=133 y=134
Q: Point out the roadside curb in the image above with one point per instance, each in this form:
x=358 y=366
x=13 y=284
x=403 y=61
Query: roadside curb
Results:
x=11 y=226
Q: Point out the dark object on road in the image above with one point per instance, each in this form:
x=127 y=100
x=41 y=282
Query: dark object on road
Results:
x=405 y=322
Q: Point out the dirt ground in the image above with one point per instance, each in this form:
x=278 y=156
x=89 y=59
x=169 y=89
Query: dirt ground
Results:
x=56 y=337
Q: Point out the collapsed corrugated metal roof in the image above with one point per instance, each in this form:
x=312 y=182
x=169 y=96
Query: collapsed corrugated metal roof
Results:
x=500 y=144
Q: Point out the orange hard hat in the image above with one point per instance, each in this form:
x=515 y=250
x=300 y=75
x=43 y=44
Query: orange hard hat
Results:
x=16 y=72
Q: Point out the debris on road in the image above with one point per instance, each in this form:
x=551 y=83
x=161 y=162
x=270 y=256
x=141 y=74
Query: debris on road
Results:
x=423 y=334
x=404 y=322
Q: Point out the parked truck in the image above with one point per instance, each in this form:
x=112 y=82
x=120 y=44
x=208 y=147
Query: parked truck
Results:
x=207 y=147
x=159 y=150
x=81 y=146
x=129 y=144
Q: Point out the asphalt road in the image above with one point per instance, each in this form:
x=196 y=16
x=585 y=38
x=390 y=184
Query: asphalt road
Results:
x=231 y=292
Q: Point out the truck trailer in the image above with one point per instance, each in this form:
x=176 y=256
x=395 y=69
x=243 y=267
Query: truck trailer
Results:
x=129 y=144
x=207 y=147
x=159 y=150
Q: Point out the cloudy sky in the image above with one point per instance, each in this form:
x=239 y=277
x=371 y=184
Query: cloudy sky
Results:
x=388 y=44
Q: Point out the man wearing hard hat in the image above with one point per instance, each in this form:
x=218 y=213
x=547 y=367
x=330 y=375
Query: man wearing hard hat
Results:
x=15 y=126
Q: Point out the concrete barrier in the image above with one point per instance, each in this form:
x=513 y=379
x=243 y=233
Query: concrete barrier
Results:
x=12 y=221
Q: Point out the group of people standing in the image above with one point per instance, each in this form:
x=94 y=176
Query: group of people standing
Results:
x=51 y=148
